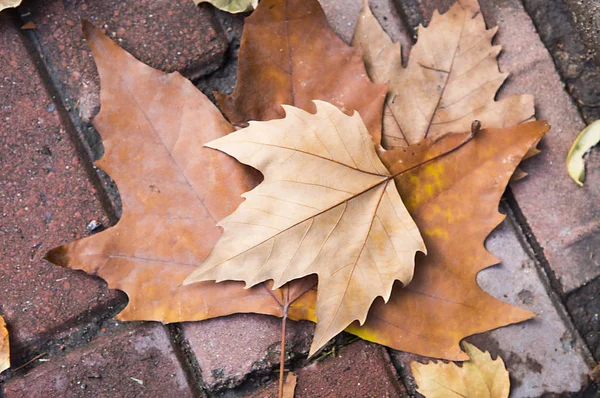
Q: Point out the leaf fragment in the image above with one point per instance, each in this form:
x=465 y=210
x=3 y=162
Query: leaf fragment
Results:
x=289 y=387
x=9 y=4
x=4 y=347
x=327 y=206
x=289 y=55
x=232 y=6
x=585 y=141
x=451 y=78
x=480 y=376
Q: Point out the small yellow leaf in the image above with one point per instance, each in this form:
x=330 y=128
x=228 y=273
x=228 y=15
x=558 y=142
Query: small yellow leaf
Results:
x=4 y=347
x=480 y=377
x=232 y=6
x=589 y=137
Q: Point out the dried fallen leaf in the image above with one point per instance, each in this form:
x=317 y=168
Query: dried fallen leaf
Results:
x=9 y=4
x=325 y=196
x=588 y=138
x=480 y=376
x=232 y=6
x=29 y=26
x=4 y=347
x=289 y=387
x=154 y=126
x=451 y=78
x=454 y=201
x=289 y=55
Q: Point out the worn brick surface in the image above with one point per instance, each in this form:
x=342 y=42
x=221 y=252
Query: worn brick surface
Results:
x=584 y=305
x=47 y=200
x=167 y=35
x=358 y=370
x=542 y=355
x=136 y=363
x=229 y=348
x=572 y=52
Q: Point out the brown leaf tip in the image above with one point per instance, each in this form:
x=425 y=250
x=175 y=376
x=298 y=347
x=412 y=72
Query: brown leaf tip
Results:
x=88 y=29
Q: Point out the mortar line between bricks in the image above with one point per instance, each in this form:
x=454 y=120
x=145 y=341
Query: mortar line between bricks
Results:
x=545 y=272
x=187 y=359
x=55 y=87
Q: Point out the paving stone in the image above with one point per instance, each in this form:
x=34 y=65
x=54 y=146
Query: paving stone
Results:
x=584 y=306
x=229 y=348
x=573 y=46
x=342 y=17
x=135 y=363
x=359 y=370
x=542 y=355
x=167 y=35
x=586 y=17
x=47 y=200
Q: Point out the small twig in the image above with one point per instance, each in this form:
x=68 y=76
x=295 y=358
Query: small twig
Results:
x=30 y=361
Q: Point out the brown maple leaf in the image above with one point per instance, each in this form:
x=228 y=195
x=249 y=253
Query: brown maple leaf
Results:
x=451 y=78
x=154 y=126
x=289 y=55
x=327 y=206
x=480 y=376
x=454 y=201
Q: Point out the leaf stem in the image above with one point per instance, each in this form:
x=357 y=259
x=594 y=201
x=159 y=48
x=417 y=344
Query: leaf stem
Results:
x=282 y=349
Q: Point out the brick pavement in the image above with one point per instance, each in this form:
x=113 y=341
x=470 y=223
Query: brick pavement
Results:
x=50 y=193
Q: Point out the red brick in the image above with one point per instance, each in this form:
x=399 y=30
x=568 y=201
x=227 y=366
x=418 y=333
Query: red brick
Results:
x=47 y=200
x=167 y=35
x=359 y=370
x=107 y=367
x=229 y=348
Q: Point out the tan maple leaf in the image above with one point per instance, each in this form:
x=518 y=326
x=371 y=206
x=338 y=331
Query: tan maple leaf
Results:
x=327 y=206
x=9 y=4
x=480 y=376
x=4 y=347
x=451 y=78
